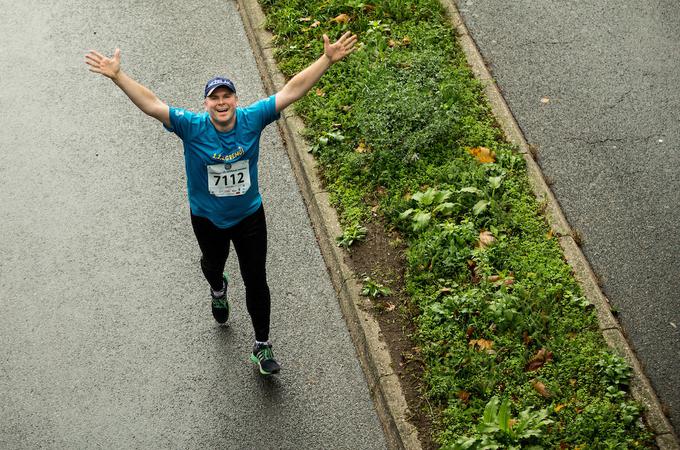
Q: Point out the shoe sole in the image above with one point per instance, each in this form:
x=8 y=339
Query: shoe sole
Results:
x=254 y=359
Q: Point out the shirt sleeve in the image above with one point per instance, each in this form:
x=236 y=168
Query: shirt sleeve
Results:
x=264 y=111
x=180 y=122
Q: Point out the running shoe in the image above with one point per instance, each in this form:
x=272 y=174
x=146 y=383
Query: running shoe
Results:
x=264 y=358
x=220 y=305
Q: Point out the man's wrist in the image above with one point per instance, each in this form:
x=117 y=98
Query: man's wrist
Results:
x=116 y=78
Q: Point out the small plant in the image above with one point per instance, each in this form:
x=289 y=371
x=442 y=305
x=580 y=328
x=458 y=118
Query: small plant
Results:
x=616 y=375
x=432 y=199
x=325 y=138
x=350 y=235
x=498 y=429
x=374 y=289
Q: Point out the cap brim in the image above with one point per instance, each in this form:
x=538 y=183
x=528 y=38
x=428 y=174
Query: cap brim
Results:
x=218 y=86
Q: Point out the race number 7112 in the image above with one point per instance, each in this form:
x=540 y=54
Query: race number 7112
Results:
x=236 y=178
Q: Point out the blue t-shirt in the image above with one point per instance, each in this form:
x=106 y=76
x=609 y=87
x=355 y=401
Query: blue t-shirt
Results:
x=204 y=146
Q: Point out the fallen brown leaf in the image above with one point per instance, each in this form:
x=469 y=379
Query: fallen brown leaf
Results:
x=320 y=92
x=526 y=338
x=406 y=40
x=305 y=19
x=541 y=389
x=483 y=154
x=469 y=332
x=481 y=344
x=362 y=148
x=539 y=360
x=391 y=43
x=315 y=24
x=390 y=306
x=485 y=239
x=464 y=396
x=342 y=18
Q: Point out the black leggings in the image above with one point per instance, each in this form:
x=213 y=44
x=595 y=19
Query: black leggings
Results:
x=250 y=242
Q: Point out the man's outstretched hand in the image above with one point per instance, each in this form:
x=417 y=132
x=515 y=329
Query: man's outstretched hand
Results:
x=109 y=67
x=341 y=48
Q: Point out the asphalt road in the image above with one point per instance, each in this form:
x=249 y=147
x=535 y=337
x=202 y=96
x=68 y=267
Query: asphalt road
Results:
x=594 y=85
x=107 y=337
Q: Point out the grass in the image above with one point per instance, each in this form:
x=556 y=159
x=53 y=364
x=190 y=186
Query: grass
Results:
x=512 y=351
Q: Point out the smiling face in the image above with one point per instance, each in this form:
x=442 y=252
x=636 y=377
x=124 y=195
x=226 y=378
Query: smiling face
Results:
x=221 y=106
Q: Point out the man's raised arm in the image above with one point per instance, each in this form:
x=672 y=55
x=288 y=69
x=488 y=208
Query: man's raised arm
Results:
x=301 y=83
x=140 y=95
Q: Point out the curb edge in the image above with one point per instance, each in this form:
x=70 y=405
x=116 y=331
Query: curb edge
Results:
x=372 y=352
x=641 y=388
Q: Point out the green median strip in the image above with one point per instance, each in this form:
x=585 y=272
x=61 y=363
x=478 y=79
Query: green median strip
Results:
x=512 y=351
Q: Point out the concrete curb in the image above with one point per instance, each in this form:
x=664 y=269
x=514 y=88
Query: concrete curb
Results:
x=641 y=388
x=372 y=352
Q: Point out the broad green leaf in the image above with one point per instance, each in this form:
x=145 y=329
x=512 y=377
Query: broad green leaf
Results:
x=470 y=190
x=336 y=136
x=441 y=196
x=425 y=198
x=491 y=410
x=480 y=207
x=438 y=308
x=504 y=416
x=445 y=208
x=406 y=213
x=421 y=220
x=495 y=182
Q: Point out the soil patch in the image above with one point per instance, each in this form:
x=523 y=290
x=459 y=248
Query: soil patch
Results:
x=382 y=257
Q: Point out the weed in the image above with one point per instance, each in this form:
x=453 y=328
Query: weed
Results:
x=497 y=428
x=350 y=235
x=373 y=289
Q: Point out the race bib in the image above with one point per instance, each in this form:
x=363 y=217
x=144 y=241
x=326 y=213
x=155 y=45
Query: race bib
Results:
x=228 y=180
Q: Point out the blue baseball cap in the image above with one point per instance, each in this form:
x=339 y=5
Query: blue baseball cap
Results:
x=216 y=82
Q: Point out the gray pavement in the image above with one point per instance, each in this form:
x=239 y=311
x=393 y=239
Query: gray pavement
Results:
x=107 y=338
x=594 y=85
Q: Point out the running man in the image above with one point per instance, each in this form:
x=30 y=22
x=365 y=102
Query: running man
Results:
x=221 y=152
